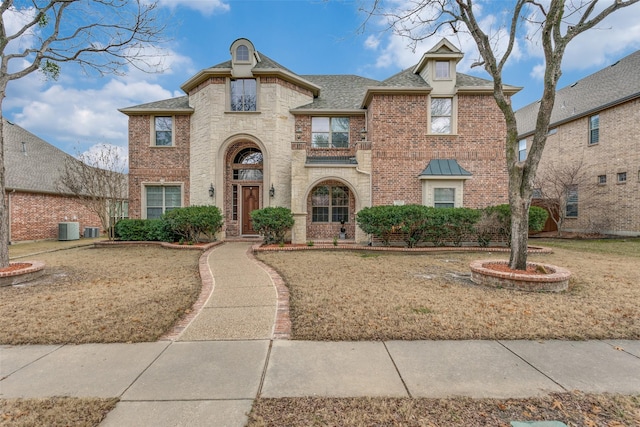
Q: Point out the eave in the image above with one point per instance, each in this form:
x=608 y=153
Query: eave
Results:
x=392 y=91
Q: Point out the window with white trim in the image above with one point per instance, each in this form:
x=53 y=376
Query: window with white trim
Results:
x=163 y=128
x=160 y=199
x=444 y=197
x=244 y=95
x=443 y=70
x=602 y=179
x=441 y=115
x=622 y=177
x=330 y=132
x=594 y=129
x=522 y=150
x=572 y=202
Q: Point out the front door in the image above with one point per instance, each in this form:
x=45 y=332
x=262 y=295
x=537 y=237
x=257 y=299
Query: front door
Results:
x=250 y=202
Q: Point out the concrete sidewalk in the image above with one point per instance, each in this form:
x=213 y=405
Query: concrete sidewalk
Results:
x=226 y=358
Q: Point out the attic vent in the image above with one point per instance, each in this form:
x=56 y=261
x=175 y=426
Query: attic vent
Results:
x=24 y=148
x=574 y=84
x=615 y=63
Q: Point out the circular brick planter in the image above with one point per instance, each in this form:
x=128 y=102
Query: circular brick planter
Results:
x=557 y=280
x=15 y=277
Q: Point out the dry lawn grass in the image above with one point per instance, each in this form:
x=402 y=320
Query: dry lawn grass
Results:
x=573 y=409
x=101 y=295
x=54 y=412
x=337 y=295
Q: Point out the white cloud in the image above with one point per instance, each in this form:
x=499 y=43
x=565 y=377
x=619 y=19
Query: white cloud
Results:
x=206 y=7
x=74 y=116
x=107 y=156
x=372 y=42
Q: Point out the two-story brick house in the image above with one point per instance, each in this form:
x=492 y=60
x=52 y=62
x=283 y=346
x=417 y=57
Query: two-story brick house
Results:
x=251 y=133
x=595 y=131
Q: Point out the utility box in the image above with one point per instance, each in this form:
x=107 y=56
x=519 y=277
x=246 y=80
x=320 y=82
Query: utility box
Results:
x=68 y=231
x=90 y=232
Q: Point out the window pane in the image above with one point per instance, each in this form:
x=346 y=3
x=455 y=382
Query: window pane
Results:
x=154 y=213
x=154 y=196
x=320 y=140
x=339 y=213
x=320 y=197
x=320 y=214
x=441 y=124
x=442 y=69
x=572 y=203
x=320 y=124
x=441 y=107
x=594 y=129
x=444 y=197
x=522 y=150
x=242 y=53
x=247 y=174
x=622 y=177
x=340 y=124
x=340 y=139
x=172 y=197
x=340 y=196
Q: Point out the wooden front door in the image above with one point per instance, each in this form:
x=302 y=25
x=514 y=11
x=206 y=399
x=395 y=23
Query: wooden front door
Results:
x=250 y=202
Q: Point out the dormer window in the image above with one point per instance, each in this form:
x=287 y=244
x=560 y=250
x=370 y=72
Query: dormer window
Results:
x=443 y=70
x=242 y=53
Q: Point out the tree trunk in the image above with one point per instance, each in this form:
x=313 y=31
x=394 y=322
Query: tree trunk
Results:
x=4 y=208
x=519 y=231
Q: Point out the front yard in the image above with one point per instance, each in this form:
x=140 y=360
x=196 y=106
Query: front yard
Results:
x=338 y=295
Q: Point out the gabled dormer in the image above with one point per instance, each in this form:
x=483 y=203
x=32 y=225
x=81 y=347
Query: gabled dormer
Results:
x=438 y=67
x=243 y=58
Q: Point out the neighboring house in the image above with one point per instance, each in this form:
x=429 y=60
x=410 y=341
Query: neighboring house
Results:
x=596 y=123
x=251 y=133
x=36 y=206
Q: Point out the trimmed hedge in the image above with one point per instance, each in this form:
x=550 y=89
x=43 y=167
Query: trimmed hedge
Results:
x=185 y=224
x=272 y=223
x=192 y=222
x=145 y=230
x=417 y=224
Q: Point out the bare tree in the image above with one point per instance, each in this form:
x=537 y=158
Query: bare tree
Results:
x=98 y=180
x=561 y=186
x=102 y=36
x=557 y=22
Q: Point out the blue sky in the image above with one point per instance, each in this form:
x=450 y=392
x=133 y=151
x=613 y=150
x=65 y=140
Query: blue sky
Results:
x=77 y=112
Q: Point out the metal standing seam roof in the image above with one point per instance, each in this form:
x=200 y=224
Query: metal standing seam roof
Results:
x=444 y=168
x=616 y=83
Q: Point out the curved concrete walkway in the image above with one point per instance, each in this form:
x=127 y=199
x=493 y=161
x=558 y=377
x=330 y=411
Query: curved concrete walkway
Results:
x=208 y=371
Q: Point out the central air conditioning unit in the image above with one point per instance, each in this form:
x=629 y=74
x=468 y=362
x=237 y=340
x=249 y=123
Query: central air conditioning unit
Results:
x=69 y=231
x=90 y=232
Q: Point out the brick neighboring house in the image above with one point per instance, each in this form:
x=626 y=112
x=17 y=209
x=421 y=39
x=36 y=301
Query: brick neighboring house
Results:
x=36 y=206
x=596 y=121
x=251 y=133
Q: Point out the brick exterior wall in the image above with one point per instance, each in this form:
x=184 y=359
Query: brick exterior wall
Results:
x=150 y=164
x=401 y=148
x=36 y=216
x=613 y=207
x=329 y=230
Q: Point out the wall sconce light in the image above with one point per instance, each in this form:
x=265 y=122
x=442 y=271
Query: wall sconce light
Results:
x=272 y=191
x=212 y=191
x=298 y=130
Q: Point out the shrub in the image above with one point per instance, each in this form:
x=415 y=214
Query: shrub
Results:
x=461 y=222
x=416 y=222
x=380 y=221
x=146 y=230
x=192 y=222
x=272 y=223
x=502 y=214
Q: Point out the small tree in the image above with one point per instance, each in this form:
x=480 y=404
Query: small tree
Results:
x=559 y=185
x=97 y=178
x=103 y=36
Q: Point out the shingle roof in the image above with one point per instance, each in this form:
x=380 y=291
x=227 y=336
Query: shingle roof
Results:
x=172 y=104
x=37 y=168
x=444 y=167
x=613 y=84
x=338 y=92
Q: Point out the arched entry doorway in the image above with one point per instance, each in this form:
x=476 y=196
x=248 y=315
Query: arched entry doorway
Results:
x=244 y=180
